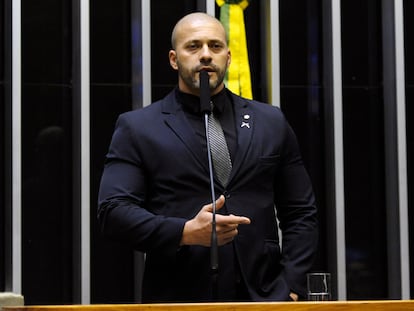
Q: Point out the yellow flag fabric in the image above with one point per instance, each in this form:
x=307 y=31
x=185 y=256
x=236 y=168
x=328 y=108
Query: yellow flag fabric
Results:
x=238 y=75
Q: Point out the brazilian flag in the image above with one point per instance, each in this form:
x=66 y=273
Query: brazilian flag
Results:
x=238 y=75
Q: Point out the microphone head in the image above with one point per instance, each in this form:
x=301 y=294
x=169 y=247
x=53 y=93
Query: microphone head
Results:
x=205 y=106
x=204 y=77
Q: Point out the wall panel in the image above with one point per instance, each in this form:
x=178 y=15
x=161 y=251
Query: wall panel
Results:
x=112 y=274
x=365 y=210
x=409 y=92
x=46 y=152
x=301 y=67
x=2 y=145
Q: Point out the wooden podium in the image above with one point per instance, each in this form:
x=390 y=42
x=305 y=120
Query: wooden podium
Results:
x=389 y=305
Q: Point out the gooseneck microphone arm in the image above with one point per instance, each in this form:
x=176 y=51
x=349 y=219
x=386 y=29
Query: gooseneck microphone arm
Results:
x=205 y=105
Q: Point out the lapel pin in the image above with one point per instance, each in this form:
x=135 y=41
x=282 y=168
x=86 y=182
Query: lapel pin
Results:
x=245 y=124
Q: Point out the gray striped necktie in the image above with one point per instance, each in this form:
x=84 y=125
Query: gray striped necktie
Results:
x=219 y=149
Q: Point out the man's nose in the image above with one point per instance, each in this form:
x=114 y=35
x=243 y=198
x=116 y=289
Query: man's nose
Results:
x=205 y=54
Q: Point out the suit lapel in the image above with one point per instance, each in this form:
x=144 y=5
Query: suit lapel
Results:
x=244 y=121
x=176 y=120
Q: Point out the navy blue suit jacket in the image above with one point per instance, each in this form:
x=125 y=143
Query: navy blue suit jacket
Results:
x=156 y=178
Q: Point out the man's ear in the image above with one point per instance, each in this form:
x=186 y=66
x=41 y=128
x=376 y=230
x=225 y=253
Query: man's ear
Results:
x=172 y=55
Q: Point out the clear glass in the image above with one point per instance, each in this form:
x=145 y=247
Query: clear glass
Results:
x=319 y=286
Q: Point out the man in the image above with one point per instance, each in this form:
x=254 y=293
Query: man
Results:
x=155 y=191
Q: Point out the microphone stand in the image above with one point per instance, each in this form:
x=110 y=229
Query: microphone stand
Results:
x=206 y=108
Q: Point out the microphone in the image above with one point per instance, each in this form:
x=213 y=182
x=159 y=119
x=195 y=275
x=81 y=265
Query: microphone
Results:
x=205 y=107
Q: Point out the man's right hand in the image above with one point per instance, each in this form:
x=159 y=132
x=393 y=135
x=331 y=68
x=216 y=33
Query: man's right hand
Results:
x=197 y=231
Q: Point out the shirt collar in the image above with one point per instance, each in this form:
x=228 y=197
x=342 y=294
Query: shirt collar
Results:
x=191 y=103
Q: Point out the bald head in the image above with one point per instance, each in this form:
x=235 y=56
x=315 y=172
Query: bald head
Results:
x=194 y=19
x=199 y=42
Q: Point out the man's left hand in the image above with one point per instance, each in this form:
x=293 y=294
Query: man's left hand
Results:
x=294 y=296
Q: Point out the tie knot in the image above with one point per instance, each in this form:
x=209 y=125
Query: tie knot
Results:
x=214 y=109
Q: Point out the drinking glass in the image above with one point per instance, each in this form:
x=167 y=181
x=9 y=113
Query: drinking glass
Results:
x=319 y=286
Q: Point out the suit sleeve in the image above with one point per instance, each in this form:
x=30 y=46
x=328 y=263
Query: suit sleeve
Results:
x=297 y=214
x=122 y=205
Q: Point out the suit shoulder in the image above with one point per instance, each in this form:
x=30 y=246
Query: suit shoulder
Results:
x=265 y=107
x=149 y=113
x=142 y=112
x=259 y=107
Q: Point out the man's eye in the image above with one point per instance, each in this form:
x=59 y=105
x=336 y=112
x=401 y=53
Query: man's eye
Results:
x=192 y=46
x=216 y=46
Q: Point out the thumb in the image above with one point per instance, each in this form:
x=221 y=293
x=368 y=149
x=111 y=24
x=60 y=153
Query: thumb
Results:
x=219 y=204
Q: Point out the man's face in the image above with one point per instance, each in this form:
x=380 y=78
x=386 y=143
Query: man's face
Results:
x=200 y=45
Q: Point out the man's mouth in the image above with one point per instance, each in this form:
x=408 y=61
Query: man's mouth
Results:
x=208 y=69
